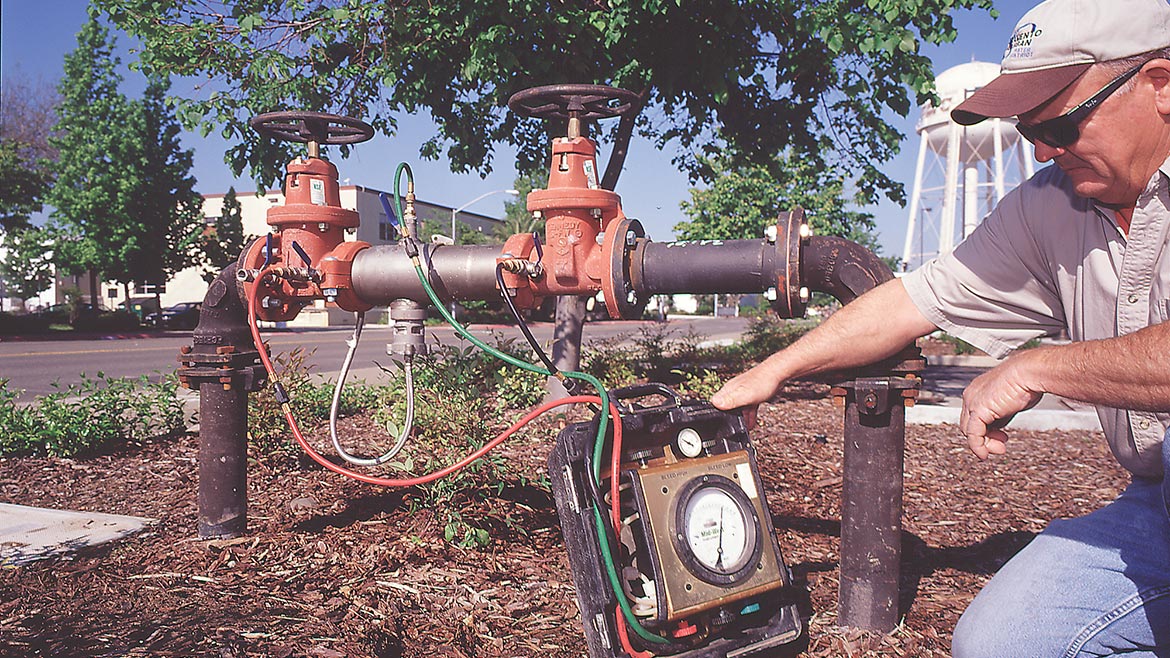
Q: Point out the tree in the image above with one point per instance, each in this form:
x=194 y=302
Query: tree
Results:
x=223 y=241
x=26 y=120
x=742 y=201
x=27 y=268
x=164 y=210
x=124 y=200
x=92 y=119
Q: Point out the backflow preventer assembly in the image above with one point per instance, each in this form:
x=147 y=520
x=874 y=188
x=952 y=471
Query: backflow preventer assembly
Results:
x=670 y=538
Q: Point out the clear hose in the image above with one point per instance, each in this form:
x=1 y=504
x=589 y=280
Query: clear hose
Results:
x=408 y=425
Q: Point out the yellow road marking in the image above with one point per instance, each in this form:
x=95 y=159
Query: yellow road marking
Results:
x=125 y=349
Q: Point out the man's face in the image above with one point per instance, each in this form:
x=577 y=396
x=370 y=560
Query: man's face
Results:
x=1113 y=158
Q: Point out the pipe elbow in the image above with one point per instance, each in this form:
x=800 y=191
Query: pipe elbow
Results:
x=841 y=268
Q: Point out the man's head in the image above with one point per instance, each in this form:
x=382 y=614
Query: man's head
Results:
x=1065 y=69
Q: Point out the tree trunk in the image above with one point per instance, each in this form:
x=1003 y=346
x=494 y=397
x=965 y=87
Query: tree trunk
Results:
x=566 y=347
x=95 y=300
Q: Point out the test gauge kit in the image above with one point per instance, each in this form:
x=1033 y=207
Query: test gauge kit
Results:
x=693 y=568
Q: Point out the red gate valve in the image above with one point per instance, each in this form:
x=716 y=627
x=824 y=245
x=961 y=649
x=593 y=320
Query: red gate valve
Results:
x=308 y=240
x=577 y=211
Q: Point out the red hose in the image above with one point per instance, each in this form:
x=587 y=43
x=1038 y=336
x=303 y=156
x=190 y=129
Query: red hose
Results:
x=616 y=515
x=401 y=482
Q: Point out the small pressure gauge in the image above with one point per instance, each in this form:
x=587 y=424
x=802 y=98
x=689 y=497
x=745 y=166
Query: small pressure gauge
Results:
x=716 y=530
x=690 y=442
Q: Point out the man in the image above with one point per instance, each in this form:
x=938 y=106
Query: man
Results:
x=1082 y=247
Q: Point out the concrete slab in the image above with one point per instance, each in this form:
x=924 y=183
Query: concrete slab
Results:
x=35 y=533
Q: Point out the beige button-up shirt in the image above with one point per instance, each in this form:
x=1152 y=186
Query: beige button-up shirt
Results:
x=1045 y=260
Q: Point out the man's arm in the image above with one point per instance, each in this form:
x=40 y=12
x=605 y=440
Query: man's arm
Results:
x=870 y=328
x=1128 y=372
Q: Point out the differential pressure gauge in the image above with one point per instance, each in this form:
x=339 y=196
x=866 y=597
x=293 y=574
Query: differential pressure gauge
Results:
x=717 y=533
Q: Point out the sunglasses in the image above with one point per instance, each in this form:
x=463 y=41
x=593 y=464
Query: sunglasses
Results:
x=1062 y=131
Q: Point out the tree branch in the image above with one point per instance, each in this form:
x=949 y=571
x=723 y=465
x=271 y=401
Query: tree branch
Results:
x=621 y=142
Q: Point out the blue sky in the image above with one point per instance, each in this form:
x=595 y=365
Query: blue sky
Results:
x=36 y=34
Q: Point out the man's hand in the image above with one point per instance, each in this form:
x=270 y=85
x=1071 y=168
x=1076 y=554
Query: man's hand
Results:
x=991 y=401
x=747 y=391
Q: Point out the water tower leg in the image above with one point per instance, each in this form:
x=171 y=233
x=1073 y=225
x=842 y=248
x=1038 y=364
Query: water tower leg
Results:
x=915 y=203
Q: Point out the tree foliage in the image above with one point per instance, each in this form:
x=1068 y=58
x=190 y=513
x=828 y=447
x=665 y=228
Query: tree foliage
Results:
x=91 y=119
x=162 y=202
x=27 y=267
x=814 y=76
x=25 y=184
x=742 y=201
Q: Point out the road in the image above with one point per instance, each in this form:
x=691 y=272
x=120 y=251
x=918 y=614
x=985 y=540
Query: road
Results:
x=33 y=366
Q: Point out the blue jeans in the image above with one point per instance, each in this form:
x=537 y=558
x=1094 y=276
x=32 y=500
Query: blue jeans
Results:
x=1098 y=585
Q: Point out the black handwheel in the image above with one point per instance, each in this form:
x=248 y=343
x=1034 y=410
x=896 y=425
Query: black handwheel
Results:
x=584 y=102
x=316 y=127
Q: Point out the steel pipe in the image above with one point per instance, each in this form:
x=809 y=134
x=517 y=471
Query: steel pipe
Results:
x=223 y=366
x=871 y=503
x=841 y=268
x=384 y=273
x=705 y=267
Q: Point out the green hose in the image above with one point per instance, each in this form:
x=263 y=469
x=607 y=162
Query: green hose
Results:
x=602 y=425
x=402 y=166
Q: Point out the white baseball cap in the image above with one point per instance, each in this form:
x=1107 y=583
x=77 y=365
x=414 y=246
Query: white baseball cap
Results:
x=1056 y=42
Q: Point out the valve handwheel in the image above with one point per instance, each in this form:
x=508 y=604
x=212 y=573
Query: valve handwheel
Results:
x=312 y=127
x=584 y=102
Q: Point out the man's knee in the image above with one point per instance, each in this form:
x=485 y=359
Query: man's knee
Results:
x=980 y=634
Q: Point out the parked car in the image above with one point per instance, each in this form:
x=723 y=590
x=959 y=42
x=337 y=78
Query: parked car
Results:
x=184 y=315
x=140 y=306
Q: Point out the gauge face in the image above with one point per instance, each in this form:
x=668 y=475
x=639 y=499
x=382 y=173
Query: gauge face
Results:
x=690 y=443
x=716 y=530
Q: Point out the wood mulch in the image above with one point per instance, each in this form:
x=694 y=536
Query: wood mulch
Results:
x=334 y=568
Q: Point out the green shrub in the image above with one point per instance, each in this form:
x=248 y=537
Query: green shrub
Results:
x=958 y=345
x=28 y=323
x=98 y=414
x=768 y=334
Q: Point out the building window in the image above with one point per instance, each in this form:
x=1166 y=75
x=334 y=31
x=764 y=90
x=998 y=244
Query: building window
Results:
x=150 y=288
x=386 y=232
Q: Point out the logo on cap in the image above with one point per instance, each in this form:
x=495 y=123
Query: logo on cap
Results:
x=1020 y=45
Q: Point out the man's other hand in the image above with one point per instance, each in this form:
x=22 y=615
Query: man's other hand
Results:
x=991 y=401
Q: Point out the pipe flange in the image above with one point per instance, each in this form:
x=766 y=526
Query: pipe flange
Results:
x=622 y=300
x=789 y=302
x=227 y=366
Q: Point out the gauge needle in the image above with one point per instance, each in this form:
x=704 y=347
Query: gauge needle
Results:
x=719 y=548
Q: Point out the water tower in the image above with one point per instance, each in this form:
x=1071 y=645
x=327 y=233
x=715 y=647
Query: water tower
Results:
x=981 y=154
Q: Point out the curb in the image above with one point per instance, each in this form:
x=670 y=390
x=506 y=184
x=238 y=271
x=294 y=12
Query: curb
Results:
x=1032 y=419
